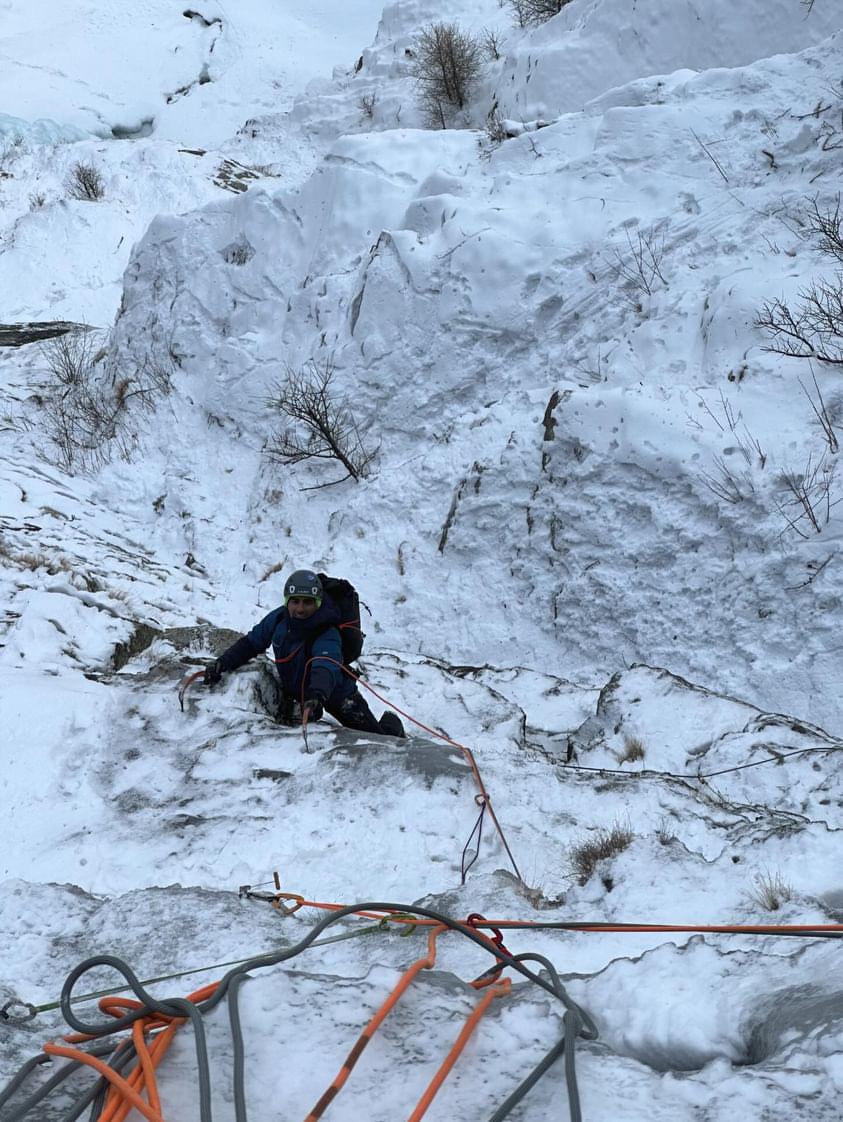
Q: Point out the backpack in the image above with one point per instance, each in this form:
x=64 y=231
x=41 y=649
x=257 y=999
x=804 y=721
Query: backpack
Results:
x=344 y=595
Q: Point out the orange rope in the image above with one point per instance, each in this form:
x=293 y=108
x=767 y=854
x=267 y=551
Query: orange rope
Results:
x=498 y=990
x=573 y=927
x=374 y=1024
x=125 y=1089
x=124 y=1092
x=466 y=751
x=143 y=1076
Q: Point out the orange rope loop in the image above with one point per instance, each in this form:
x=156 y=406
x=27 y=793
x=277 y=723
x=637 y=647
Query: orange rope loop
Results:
x=498 y=990
x=125 y=1091
x=374 y=1024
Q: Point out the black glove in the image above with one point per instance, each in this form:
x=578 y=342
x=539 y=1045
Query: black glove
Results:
x=213 y=673
x=312 y=710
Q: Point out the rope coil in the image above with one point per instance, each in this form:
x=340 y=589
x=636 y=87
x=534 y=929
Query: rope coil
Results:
x=151 y=1020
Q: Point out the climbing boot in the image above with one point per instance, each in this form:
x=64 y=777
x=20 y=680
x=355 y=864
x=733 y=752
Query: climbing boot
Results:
x=390 y=724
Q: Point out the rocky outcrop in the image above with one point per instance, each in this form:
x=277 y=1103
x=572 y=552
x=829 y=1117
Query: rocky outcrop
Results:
x=19 y=334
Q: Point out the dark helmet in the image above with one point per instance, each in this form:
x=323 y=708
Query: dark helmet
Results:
x=304 y=582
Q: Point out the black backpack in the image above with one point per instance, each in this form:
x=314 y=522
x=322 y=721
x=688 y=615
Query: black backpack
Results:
x=344 y=595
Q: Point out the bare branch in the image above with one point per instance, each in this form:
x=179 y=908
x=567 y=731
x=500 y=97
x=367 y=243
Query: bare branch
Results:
x=641 y=266
x=366 y=104
x=810 y=495
x=708 y=153
x=822 y=414
x=827 y=225
x=85 y=182
x=814 y=329
x=323 y=426
x=86 y=408
x=726 y=484
x=490 y=41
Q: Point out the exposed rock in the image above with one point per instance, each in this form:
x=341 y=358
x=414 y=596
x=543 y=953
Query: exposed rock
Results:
x=19 y=334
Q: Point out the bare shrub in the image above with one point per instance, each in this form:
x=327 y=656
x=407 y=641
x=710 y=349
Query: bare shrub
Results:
x=634 y=750
x=366 y=104
x=733 y=483
x=640 y=267
x=490 y=42
x=771 y=891
x=37 y=200
x=82 y=424
x=496 y=131
x=323 y=426
x=727 y=483
x=239 y=252
x=85 y=409
x=600 y=846
x=813 y=328
x=825 y=416
x=664 y=832
x=447 y=63
x=827 y=226
x=809 y=495
x=85 y=182
x=531 y=13
x=69 y=357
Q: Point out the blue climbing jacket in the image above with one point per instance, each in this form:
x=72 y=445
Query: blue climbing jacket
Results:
x=294 y=642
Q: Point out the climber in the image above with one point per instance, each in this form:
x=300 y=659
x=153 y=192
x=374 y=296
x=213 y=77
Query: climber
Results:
x=308 y=650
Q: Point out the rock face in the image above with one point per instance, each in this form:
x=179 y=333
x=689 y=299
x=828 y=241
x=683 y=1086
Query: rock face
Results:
x=19 y=334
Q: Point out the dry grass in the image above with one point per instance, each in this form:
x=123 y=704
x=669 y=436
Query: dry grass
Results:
x=771 y=891
x=633 y=751
x=33 y=561
x=600 y=846
x=272 y=570
x=664 y=832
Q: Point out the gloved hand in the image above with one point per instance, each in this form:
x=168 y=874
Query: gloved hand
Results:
x=213 y=673
x=312 y=709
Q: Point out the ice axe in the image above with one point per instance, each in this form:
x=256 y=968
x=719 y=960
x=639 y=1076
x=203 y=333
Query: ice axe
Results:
x=185 y=684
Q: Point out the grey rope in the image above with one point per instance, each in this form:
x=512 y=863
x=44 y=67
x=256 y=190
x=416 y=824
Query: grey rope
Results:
x=579 y=1023
x=46 y=1088
x=646 y=773
x=576 y=1023
x=16 y=1081
x=239 y=1051
x=96 y=1096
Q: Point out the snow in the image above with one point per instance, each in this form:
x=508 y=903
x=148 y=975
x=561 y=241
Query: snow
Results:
x=573 y=539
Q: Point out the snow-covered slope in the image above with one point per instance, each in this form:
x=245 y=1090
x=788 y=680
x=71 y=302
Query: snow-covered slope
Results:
x=186 y=74
x=506 y=277
x=574 y=540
